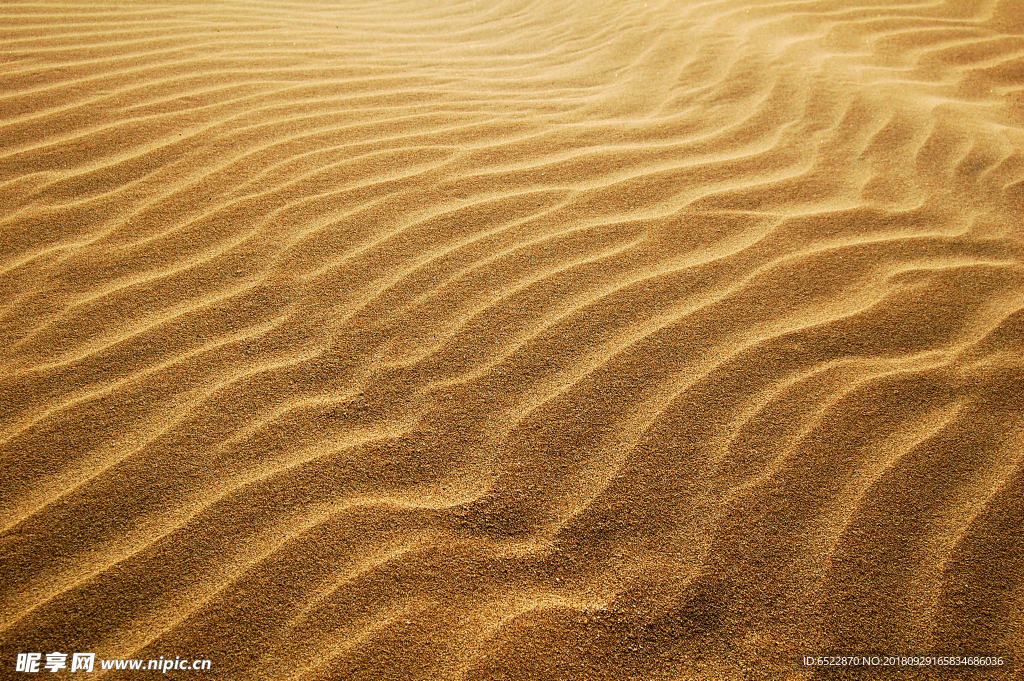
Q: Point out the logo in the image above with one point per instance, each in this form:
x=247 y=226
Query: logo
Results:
x=55 y=661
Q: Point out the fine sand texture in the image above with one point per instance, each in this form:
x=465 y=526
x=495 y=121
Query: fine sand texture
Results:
x=513 y=339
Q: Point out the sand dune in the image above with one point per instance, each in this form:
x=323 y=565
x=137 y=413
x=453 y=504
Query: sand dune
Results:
x=512 y=340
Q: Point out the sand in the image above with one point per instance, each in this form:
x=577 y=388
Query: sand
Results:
x=511 y=340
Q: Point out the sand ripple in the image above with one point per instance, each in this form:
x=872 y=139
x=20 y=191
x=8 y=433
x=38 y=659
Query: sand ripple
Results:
x=514 y=340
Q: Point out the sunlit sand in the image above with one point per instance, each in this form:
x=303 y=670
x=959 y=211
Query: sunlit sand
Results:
x=511 y=340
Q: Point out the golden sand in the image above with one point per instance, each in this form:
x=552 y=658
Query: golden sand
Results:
x=511 y=340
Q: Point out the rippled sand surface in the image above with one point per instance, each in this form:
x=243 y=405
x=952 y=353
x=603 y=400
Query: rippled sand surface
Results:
x=511 y=340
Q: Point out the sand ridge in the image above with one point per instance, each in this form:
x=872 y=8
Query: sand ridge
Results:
x=513 y=340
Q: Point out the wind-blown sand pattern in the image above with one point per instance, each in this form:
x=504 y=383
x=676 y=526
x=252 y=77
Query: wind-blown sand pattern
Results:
x=511 y=340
